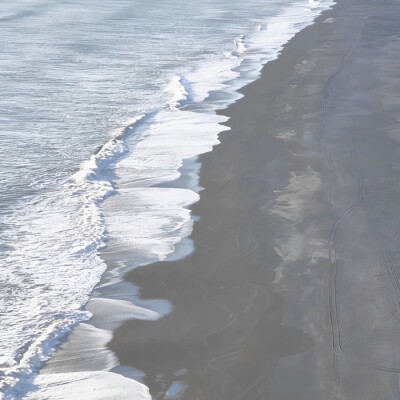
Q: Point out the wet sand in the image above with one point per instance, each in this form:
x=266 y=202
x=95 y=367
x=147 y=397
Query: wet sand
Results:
x=293 y=289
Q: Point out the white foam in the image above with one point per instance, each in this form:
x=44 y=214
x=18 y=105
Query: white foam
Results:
x=99 y=385
x=168 y=139
x=212 y=75
x=85 y=350
x=313 y=4
x=151 y=220
x=240 y=45
x=176 y=91
x=252 y=52
x=108 y=313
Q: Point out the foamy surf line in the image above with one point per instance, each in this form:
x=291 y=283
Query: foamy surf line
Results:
x=53 y=299
x=140 y=214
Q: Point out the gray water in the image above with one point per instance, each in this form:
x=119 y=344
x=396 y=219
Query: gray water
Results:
x=72 y=71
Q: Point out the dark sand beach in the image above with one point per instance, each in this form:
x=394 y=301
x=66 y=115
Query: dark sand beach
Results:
x=292 y=291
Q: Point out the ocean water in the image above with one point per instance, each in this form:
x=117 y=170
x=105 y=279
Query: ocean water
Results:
x=101 y=104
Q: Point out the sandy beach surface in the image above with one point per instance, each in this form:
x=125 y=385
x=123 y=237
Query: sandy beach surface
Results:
x=292 y=291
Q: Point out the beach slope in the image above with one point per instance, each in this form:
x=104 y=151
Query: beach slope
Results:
x=293 y=289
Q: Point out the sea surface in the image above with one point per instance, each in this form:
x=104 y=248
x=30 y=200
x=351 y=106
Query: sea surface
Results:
x=103 y=102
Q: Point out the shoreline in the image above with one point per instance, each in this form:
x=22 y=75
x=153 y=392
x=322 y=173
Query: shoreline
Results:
x=192 y=338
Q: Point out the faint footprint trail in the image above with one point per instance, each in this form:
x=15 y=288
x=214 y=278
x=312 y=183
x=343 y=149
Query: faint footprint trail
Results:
x=333 y=302
x=393 y=276
x=333 y=309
